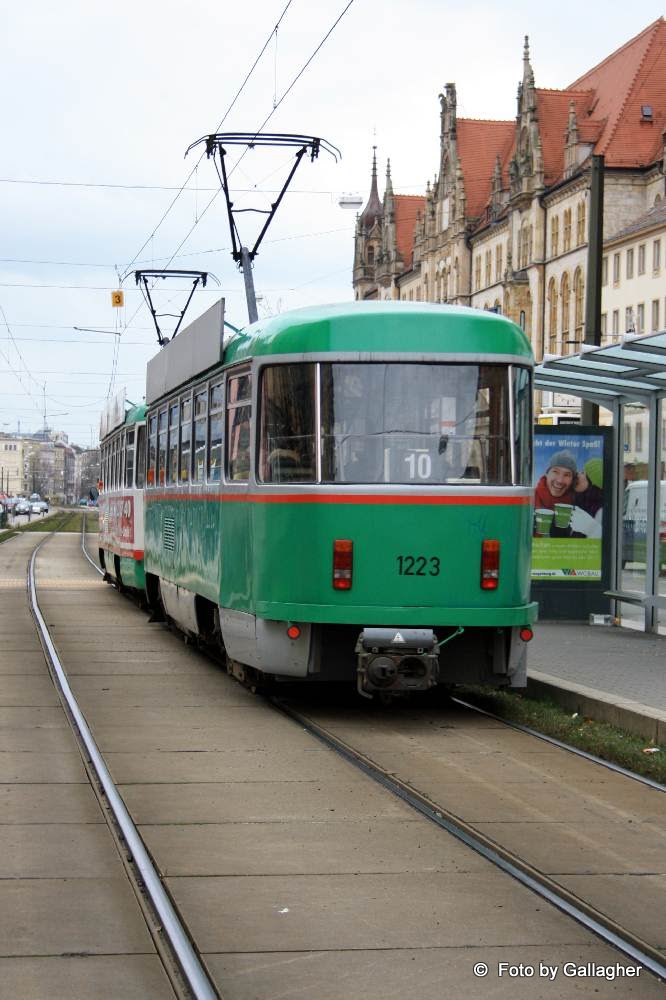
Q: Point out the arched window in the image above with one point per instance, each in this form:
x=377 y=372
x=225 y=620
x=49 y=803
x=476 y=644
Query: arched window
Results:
x=564 y=309
x=555 y=236
x=371 y=255
x=497 y=307
x=552 y=316
x=580 y=224
x=579 y=308
x=566 y=236
x=528 y=315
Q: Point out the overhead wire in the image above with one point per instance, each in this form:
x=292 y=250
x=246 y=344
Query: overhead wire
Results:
x=224 y=117
x=265 y=121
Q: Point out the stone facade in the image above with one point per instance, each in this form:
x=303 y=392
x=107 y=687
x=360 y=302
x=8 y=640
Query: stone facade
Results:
x=504 y=223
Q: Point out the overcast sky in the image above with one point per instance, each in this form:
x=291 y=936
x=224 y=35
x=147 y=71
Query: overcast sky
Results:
x=101 y=102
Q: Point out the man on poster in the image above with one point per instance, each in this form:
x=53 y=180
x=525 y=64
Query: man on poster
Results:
x=574 y=497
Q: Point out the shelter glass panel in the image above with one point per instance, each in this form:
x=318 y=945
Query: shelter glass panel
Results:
x=422 y=424
x=661 y=500
x=634 y=501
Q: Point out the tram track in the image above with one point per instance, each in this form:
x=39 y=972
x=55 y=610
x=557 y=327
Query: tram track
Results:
x=537 y=881
x=181 y=961
x=620 y=938
x=546 y=887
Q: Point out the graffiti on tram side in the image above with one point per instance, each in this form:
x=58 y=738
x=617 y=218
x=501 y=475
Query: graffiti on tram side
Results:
x=117 y=520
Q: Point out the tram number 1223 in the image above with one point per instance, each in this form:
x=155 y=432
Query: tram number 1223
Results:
x=418 y=565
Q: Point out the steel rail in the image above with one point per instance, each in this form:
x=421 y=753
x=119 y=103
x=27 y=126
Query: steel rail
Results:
x=85 y=551
x=189 y=961
x=650 y=782
x=540 y=883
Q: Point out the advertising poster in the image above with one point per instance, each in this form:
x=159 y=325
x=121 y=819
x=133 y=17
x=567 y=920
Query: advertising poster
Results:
x=568 y=506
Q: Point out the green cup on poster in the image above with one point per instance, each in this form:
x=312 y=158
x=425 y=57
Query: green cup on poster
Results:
x=543 y=520
x=563 y=513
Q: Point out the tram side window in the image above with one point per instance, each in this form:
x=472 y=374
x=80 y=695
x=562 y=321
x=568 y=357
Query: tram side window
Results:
x=522 y=391
x=114 y=474
x=215 y=427
x=152 y=450
x=140 y=456
x=172 y=471
x=239 y=419
x=162 y=446
x=287 y=437
x=199 y=463
x=129 y=458
x=185 y=439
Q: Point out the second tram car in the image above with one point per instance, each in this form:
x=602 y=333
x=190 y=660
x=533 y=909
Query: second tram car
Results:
x=123 y=469
x=345 y=492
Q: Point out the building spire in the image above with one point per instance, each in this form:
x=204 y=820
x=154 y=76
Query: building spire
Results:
x=373 y=210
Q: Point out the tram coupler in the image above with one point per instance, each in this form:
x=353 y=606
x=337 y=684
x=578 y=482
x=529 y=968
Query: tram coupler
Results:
x=396 y=659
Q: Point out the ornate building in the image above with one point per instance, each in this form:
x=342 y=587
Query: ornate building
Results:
x=504 y=224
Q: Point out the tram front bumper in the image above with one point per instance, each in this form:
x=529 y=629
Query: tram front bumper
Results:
x=396 y=659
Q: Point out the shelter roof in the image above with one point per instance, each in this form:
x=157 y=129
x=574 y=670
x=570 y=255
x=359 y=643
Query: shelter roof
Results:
x=634 y=369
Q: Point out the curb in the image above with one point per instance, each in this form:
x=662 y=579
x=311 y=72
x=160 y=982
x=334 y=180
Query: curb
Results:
x=650 y=723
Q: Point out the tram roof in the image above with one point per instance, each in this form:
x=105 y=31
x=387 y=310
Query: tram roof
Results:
x=381 y=327
x=136 y=414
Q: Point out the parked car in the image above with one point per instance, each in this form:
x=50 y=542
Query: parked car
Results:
x=22 y=507
x=38 y=507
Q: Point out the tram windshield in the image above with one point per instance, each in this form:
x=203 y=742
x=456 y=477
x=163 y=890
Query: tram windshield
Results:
x=397 y=422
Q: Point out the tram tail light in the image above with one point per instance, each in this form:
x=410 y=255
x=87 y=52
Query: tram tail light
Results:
x=343 y=562
x=490 y=561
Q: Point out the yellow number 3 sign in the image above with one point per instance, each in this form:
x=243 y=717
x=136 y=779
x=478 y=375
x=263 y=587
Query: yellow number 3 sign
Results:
x=117 y=299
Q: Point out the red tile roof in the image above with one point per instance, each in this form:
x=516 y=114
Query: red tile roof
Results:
x=553 y=116
x=406 y=207
x=479 y=144
x=629 y=78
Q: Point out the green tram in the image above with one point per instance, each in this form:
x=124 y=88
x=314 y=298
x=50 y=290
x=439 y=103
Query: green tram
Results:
x=121 y=492
x=343 y=492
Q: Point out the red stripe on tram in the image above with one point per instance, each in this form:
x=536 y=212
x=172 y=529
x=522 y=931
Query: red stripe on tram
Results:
x=369 y=499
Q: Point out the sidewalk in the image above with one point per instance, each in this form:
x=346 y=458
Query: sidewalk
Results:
x=610 y=674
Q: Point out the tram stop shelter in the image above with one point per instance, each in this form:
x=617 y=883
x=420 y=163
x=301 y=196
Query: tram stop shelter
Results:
x=628 y=379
